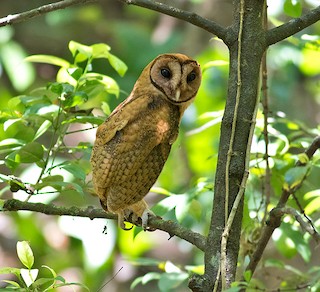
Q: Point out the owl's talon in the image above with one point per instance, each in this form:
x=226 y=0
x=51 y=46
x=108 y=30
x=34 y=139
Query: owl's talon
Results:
x=144 y=220
x=125 y=228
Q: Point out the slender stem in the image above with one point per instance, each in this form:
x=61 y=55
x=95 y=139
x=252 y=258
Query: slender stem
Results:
x=265 y=106
x=23 y=16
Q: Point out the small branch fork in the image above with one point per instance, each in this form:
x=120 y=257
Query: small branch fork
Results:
x=173 y=228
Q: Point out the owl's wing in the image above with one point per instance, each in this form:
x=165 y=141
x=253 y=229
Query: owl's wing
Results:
x=126 y=139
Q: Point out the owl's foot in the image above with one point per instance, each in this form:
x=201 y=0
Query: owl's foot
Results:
x=121 y=224
x=141 y=220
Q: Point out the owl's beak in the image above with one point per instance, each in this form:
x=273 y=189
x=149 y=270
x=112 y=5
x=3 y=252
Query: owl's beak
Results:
x=177 y=94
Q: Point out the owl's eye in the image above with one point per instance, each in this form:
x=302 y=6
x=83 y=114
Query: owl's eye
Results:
x=191 y=77
x=166 y=73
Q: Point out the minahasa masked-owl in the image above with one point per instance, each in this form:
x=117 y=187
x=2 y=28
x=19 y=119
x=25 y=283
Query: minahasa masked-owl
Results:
x=134 y=142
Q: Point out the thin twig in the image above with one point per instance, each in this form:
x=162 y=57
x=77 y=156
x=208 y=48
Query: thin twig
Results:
x=306 y=226
x=19 y=17
x=265 y=106
x=105 y=284
x=295 y=25
x=187 y=16
x=171 y=227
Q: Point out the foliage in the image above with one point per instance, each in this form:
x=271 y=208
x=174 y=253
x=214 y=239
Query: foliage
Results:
x=54 y=110
x=37 y=160
x=28 y=278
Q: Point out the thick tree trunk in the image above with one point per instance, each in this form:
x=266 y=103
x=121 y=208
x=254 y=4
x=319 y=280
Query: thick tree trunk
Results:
x=237 y=123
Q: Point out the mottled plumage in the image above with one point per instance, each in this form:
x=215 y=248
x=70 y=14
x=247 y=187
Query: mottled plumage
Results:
x=134 y=142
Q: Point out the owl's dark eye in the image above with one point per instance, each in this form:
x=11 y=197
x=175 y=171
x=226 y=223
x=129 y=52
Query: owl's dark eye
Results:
x=166 y=73
x=191 y=77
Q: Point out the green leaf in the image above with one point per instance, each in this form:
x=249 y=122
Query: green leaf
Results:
x=21 y=74
x=291 y=241
x=29 y=276
x=145 y=279
x=79 y=51
x=72 y=100
x=25 y=254
x=313 y=205
x=168 y=282
x=10 y=144
x=100 y=51
x=32 y=152
x=48 y=59
x=110 y=85
x=41 y=281
x=8 y=270
x=42 y=129
x=74 y=169
x=75 y=72
x=292 y=8
x=118 y=65
x=54 y=274
x=294 y=176
x=12 y=283
x=105 y=108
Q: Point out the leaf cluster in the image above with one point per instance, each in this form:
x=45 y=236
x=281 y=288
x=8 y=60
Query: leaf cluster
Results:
x=34 y=127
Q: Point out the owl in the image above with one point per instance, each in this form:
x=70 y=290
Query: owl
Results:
x=134 y=142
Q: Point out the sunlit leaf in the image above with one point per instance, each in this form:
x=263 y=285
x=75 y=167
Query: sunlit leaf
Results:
x=12 y=283
x=29 y=276
x=100 y=51
x=21 y=74
x=54 y=274
x=313 y=205
x=75 y=72
x=294 y=176
x=25 y=254
x=76 y=48
x=9 y=270
x=292 y=8
x=118 y=65
x=48 y=59
x=170 y=281
x=42 y=129
x=105 y=108
x=74 y=169
x=110 y=85
x=31 y=152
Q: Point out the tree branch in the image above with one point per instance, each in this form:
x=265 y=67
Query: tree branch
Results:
x=276 y=216
x=173 y=228
x=187 y=16
x=19 y=17
x=293 y=26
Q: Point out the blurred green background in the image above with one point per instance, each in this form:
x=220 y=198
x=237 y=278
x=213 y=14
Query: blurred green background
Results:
x=77 y=248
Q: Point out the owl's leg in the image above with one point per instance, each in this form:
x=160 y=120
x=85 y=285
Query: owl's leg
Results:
x=141 y=210
x=121 y=217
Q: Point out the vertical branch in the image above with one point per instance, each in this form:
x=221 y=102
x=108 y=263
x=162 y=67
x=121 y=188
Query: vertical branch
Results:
x=225 y=235
x=265 y=105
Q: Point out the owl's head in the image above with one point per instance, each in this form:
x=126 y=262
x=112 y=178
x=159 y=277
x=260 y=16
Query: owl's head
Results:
x=175 y=75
